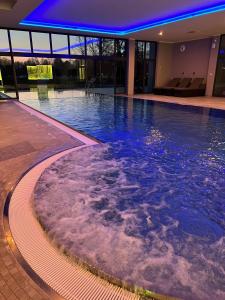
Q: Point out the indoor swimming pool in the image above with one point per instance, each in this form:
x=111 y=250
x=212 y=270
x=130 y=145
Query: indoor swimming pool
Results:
x=147 y=205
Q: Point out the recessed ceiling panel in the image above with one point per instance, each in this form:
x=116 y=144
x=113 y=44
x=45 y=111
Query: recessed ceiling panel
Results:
x=7 y=4
x=116 y=16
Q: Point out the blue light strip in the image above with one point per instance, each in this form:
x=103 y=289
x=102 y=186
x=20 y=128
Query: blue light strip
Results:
x=21 y=50
x=70 y=27
x=151 y=24
x=91 y=41
x=77 y=45
x=4 y=50
x=182 y=17
x=45 y=51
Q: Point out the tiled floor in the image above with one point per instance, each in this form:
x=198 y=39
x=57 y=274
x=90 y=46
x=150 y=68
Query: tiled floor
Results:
x=210 y=102
x=24 y=140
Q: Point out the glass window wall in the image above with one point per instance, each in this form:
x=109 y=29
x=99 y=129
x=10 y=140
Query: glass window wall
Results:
x=121 y=48
x=20 y=41
x=140 y=50
x=46 y=75
x=93 y=46
x=60 y=44
x=4 y=42
x=77 y=45
x=108 y=47
x=51 y=62
x=7 y=84
x=145 y=60
x=41 y=42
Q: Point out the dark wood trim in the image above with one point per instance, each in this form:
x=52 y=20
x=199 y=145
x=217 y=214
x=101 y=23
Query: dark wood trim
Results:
x=50 y=41
x=31 y=42
x=68 y=42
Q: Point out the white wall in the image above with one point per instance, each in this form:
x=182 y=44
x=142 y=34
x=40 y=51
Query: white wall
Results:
x=200 y=57
x=195 y=59
x=163 y=64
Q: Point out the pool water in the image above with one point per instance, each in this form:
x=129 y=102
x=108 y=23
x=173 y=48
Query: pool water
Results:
x=147 y=206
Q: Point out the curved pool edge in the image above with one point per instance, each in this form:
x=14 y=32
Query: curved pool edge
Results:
x=9 y=243
x=53 y=271
x=14 y=242
x=138 y=290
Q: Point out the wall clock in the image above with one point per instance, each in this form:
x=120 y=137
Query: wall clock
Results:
x=182 y=48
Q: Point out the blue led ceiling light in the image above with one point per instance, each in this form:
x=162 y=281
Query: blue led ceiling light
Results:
x=34 y=19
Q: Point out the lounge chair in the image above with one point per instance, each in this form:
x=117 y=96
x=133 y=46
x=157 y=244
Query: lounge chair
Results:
x=184 y=83
x=196 y=88
x=171 y=84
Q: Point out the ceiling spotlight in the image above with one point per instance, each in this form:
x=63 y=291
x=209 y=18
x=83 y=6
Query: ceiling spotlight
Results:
x=160 y=33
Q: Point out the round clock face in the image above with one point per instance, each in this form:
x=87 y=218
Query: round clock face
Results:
x=182 y=48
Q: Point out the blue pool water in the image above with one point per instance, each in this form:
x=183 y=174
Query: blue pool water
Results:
x=149 y=204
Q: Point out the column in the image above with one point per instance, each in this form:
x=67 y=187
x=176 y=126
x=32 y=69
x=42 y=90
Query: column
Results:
x=131 y=66
x=212 y=66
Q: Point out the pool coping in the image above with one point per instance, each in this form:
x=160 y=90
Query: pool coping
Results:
x=27 y=240
x=174 y=100
x=78 y=134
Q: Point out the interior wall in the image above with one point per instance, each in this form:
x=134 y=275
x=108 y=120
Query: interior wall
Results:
x=198 y=60
x=163 y=64
x=194 y=61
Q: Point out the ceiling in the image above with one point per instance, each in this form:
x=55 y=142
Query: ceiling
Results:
x=7 y=4
x=129 y=18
